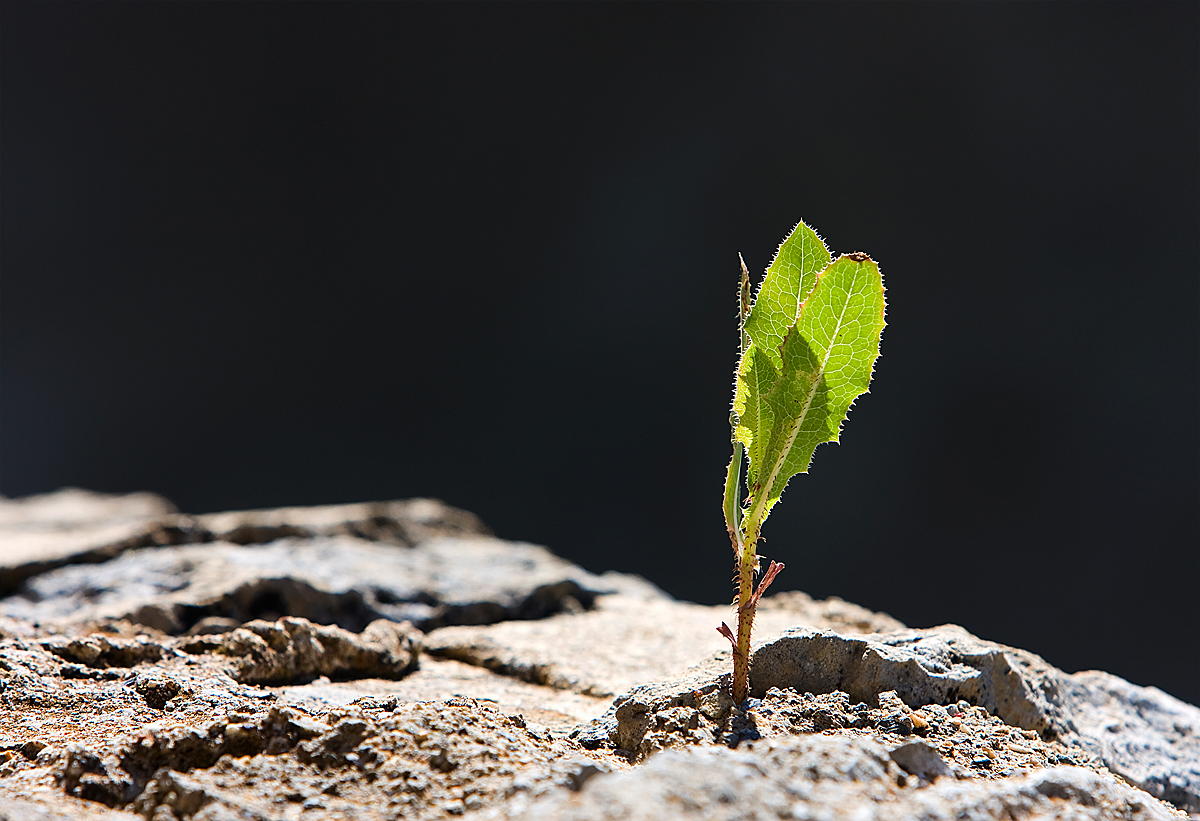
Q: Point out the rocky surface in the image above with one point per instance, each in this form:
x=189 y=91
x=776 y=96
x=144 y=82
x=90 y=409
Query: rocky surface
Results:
x=1143 y=734
x=828 y=777
x=1140 y=733
x=73 y=526
x=393 y=660
x=627 y=639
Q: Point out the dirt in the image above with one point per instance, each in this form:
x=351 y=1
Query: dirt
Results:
x=179 y=701
x=162 y=727
x=973 y=743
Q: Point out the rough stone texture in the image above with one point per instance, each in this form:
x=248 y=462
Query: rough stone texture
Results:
x=255 y=665
x=1144 y=734
x=919 y=759
x=331 y=580
x=99 y=650
x=49 y=804
x=423 y=760
x=918 y=665
x=39 y=533
x=428 y=760
x=821 y=777
x=293 y=649
x=938 y=666
x=73 y=526
x=405 y=522
x=963 y=739
x=628 y=639
x=259 y=652
x=437 y=679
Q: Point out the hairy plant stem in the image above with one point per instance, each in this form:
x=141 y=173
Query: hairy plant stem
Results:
x=743 y=531
x=746 y=605
x=822 y=358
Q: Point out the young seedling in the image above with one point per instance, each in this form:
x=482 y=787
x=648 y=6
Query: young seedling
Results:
x=808 y=344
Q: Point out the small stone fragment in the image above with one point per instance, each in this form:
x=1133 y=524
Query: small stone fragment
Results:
x=156 y=688
x=919 y=759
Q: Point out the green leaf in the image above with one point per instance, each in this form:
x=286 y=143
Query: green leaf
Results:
x=790 y=278
x=756 y=377
x=808 y=347
x=827 y=357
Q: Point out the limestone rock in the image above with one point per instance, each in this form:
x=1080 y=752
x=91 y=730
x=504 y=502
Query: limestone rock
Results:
x=1144 y=734
x=1141 y=733
x=99 y=650
x=822 y=777
x=294 y=649
x=794 y=607
x=73 y=526
x=425 y=761
x=343 y=580
x=438 y=679
x=937 y=666
x=919 y=759
x=405 y=522
x=71 y=508
x=49 y=804
x=282 y=652
x=255 y=664
x=39 y=533
x=631 y=636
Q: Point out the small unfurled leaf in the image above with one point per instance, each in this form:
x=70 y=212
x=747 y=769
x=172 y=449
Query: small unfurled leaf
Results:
x=790 y=278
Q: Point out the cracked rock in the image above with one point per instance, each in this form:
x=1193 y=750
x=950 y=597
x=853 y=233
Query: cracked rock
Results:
x=630 y=636
x=72 y=526
x=413 y=762
x=256 y=665
x=343 y=580
x=820 y=777
x=1150 y=738
x=292 y=650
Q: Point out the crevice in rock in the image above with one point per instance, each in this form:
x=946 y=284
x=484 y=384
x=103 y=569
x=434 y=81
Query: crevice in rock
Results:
x=265 y=599
x=543 y=675
x=404 y=523
x=271 y=599
x=175 y=531
x=546 y=600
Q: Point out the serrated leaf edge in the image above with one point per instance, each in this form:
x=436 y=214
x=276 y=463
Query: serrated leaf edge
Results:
x=779 y=248
x=766 y=272
x=860 y=256
x=763 y=492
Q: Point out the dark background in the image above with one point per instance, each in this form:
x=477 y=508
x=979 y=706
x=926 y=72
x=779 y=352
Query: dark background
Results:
x=258 y=255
